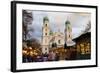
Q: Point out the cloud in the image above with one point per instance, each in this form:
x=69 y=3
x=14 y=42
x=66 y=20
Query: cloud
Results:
x=57 y=20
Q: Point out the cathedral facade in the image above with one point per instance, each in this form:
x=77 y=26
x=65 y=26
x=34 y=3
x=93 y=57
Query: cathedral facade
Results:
x=55 y=39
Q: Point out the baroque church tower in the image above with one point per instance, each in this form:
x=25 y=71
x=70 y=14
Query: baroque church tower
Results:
x=68 y=34
x=68 y=31
x=45 y=35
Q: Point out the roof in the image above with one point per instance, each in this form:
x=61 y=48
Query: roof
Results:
x=45 y=19
x=67 y=22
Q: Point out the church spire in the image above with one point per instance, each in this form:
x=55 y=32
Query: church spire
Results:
x=68 y=33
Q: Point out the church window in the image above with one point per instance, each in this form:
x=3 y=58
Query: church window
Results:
x=46 y=25
x=45 y=48
x=69 y=36
x=45 y=33
x=59 y=41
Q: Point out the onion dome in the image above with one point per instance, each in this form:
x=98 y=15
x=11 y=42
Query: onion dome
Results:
x=67 y=22
x=45 y=19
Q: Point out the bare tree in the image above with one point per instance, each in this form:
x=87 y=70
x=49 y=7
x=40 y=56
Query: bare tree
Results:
x=36 y=44
x=27 y=20
x=88 y=27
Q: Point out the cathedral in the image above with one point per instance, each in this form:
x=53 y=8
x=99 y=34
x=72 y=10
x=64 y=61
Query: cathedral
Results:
x=51 y=39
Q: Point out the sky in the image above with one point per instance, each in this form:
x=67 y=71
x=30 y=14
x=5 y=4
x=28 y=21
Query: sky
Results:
x=57 y=20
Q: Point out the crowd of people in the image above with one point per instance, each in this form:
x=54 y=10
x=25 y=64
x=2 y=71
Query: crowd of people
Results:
x=51 y=56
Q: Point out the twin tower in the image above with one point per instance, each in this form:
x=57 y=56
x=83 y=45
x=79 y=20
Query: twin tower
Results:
x=58 y=38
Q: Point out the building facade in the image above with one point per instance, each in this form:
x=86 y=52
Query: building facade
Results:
x=54 y=39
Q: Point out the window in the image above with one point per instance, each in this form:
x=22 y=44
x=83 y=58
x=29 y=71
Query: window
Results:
x=46 y=25
x=59 y=41
x=69 y=36
x=45 y=48
x=45 y=33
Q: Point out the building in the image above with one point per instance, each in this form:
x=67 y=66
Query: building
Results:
x=55 y=39
x=68 y=34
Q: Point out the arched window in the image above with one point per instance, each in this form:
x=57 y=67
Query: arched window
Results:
x=46 y=25
x=69 y=36
x=59 y=41
x=45 y=48
x=45 y=33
